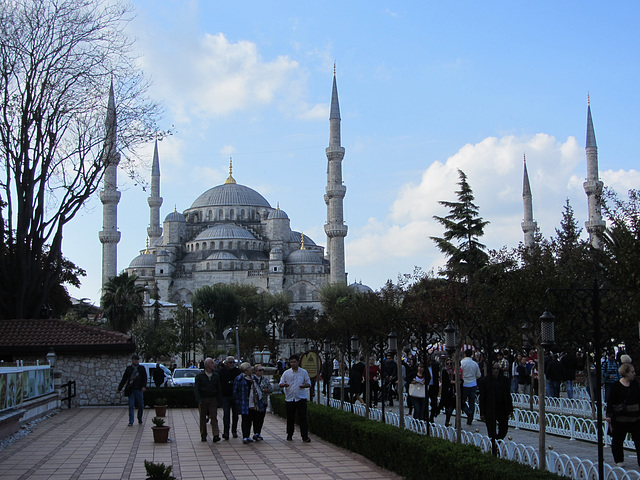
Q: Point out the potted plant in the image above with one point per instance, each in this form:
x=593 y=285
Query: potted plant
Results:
x=158 y=471
x=160 y=430
x=160 y=405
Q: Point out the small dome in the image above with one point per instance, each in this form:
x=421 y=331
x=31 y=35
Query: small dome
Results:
x=295 y=237
x=303 y=257
x=225 y=232
x=222 y=256
x=359 y=287
x=175 y=216
x=145 y=260
x=228 y=195
x=277 y=213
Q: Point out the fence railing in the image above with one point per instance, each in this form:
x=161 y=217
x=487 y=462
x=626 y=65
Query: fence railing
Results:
x=22 y=383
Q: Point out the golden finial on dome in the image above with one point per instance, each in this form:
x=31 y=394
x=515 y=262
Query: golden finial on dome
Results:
x=302 y=241
x=230 y=179
x=146 y=250
x=588 y=100
x=334 y=68
x=524 y=156
x=175 y=207
x=278 y=206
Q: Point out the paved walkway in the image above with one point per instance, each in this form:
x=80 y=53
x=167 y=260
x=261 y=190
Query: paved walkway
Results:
x=97 y=444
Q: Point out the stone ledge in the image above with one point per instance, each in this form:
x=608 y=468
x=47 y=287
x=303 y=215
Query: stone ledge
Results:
x=10 y=422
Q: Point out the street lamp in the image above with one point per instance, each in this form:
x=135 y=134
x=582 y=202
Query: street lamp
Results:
x=355 y=344
x=392 y=341
x=450 y=338
x=266 y=355
x=273 y=316
x=257 y=355
x=52 y=357
x=327 y=369
x=547 y=339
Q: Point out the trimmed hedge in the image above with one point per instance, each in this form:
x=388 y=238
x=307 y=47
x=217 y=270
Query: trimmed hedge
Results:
x=407 y=453
x=177 y=397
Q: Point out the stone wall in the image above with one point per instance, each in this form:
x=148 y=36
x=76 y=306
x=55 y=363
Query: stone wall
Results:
x=97 y=376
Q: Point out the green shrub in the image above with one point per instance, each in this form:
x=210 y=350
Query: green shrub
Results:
x=407 y=453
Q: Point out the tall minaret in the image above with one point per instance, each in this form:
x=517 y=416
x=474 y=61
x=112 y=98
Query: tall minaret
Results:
x=593 y=186
x=155 y=200
x=110 y=196
x=335 y=228
x=529 y=225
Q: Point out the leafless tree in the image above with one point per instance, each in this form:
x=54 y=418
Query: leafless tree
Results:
x=58 y=59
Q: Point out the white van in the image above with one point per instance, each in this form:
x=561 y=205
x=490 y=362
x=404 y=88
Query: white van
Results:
x=151 y=368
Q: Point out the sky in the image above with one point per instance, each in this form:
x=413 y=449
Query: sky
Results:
x=425 y=88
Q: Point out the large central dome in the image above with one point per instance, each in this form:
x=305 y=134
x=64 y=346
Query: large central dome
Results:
x=230 y=194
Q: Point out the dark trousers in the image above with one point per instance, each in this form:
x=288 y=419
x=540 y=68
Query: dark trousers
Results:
x=230 y=415
x=469 y=402
x=136 y=396
x=249 y=419
x=258 y=422
x=619 y=431
x=298 y=408
x=419 y=405
x=502 y=422
x=374 y=390
x=209 y=409
x=433 y=401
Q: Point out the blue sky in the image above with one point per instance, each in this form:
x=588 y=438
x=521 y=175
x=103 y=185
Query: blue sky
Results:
x=425 y=88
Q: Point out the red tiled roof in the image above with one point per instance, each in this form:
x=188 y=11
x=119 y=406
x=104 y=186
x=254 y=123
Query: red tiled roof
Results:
x=61 y=335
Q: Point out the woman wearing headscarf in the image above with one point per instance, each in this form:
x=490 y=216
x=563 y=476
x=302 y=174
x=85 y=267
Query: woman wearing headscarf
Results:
x=248 y=398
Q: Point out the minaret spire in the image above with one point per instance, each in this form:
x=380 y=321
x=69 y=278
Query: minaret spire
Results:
x=593 y=186
x=529 y=225
x=155 y=200
x=335 y=228
x=110 y=196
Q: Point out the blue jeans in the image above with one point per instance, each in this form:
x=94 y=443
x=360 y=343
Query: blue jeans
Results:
x=554 y=388
x=136 y=397
x=569 y=384
x=469 y=402
x=419 y=407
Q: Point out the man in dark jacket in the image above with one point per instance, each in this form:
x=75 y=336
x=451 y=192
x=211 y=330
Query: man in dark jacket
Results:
x=390 y=378
x=433 y=366
x=495 y=404
x=355 y=381
x=134 y=382
x=208 y=395
x=228 y=374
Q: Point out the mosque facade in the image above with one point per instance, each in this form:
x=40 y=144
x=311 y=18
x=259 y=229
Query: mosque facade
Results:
x=231 y=234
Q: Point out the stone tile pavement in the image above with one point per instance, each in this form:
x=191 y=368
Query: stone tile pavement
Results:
x=95 y=443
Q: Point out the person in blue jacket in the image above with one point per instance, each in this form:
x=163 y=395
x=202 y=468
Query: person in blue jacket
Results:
x=249 y=399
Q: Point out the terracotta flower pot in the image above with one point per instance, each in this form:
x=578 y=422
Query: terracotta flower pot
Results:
x=161 y=410
x=160 y=434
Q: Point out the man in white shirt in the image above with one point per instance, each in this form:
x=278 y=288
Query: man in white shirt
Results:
x=470 y=375
x=295 y=382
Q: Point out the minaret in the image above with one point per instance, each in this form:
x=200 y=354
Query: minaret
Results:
x=335 y=228
x=110 y=196
x=593 y=186
x=155 y=200
x=529 y=225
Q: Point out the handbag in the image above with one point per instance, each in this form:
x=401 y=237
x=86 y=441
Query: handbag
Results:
x=417 y=390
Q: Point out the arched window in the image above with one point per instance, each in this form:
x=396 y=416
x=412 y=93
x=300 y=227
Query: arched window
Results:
x=242 y=213
x=231 y=215
x=204 y=245
x=251 y=266
x=302 y=292
x=262 y=266
x=197 y=247
x=219 y=265
x=208 y=266
x=209 y=215
x=254 y=245
x=246 y=245
x=232 y=266
x=220 y=215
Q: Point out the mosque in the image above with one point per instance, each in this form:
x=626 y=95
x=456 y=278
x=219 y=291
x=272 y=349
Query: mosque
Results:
x=231 y=234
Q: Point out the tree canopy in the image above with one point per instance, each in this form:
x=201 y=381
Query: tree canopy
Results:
x=58 y=61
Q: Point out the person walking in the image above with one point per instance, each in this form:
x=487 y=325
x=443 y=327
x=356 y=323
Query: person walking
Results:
x=248 y=399
x=374 y=373
x=356 y=376
x=470 y=375
x=208 y=394
x=295 y=382
x=448 y=396
x=418 y=386
x=496 y=404
x=610 y=375
x=433 y=373
x=228 y=373
x=623 y=413
x=134 y=381
x=265 y=387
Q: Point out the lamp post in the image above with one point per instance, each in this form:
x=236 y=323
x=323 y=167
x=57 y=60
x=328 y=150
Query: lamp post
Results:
x=452 y=347
x=257 y=355
x=326 y=377
x=547 y=339
x=273 y=322
x=392 y=340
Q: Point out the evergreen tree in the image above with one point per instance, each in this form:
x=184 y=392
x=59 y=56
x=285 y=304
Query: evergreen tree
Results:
x=463 y=228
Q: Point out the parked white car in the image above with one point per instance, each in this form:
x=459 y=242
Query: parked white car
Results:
x=185 y=376
x=151 y=368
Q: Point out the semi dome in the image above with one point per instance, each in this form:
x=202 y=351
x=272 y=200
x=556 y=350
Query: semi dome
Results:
x=145 y=260
x=175 y=216
x=225 y=232
x=222 y=256
x=230 y=194
x=296 y=237
x=303 y=257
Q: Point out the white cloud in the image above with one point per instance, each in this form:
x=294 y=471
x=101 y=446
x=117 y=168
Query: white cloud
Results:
x=494 y=168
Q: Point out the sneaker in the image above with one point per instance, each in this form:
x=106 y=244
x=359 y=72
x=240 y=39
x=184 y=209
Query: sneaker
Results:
x=139 y=422
x=216 y=438
x=235 y=434
x=203 y=439
x=246 y=441
x=130 y=424
x=306 y=440
x=225 y=436
x=620 y=464
x=289 y=437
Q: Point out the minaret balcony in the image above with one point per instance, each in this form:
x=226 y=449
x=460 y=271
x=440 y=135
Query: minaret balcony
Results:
x=108 y=197
x=334 y=191
x=529 y=226
x=595 y=225
x=334 y=230
x=154 y=202
x=593 y=187
x=109 y=237
x=335 y=153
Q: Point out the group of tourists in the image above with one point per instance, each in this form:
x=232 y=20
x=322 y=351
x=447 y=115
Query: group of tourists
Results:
x=241 y=391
